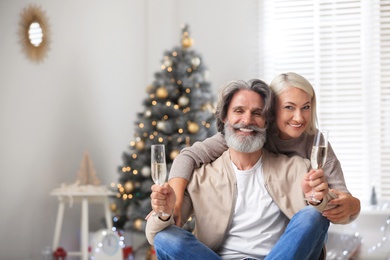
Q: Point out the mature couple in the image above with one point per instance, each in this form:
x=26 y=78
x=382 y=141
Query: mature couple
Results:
x=249 y=201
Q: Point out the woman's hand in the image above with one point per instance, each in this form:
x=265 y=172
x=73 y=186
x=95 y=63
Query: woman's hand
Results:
x=347 y=206
x=163 y=199
x=315 y=181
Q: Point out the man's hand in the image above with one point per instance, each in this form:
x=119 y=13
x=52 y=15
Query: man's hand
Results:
x=163 y=199
x=178 y=185
x=315 y=181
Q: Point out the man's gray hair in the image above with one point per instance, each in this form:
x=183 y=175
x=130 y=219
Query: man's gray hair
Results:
x=227 y=91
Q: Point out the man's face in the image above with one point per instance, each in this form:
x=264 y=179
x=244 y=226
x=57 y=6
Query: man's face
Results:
x=244 y=123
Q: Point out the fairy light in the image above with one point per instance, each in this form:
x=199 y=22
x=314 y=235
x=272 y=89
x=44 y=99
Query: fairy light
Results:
x=154 y=102
x=188 y=90
x=141 y=125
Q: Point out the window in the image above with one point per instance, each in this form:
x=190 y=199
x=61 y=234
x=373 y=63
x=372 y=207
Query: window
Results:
x=343 y=49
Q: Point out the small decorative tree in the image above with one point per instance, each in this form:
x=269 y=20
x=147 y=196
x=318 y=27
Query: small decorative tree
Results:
x=179 y=110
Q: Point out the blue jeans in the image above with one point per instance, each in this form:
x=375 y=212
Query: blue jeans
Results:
x=303 y=238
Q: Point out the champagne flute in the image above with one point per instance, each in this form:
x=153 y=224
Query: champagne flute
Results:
x=318 y=155
x=159 y=168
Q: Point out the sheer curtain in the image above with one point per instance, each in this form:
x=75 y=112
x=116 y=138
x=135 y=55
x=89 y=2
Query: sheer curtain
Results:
x=343 y=49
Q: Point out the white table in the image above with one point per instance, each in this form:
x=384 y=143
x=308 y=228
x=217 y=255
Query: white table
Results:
x=83 y=197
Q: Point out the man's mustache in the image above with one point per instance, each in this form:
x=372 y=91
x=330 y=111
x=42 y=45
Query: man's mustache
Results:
x=251 y=127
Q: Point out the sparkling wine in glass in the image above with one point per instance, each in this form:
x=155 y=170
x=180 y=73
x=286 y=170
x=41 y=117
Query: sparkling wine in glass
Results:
x=159 y=167
x=318 y=155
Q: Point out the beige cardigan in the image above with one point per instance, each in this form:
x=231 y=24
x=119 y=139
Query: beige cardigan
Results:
x=211 y=195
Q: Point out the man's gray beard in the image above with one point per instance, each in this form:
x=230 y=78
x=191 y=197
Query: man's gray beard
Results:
x=245 y=144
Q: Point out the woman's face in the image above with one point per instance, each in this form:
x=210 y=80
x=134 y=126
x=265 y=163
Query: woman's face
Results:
x=293 y=112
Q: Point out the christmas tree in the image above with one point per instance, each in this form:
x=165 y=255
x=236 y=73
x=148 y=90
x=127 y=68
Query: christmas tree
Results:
x=179 y=110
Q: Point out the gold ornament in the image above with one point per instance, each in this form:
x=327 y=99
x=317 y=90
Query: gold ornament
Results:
x=138 y=224
x=129 y=187
x=187 y=42
x=113 y=207
x=173 y=154
x=162 y=92
x=140 y=145
x=193 y=127
x=207 y=106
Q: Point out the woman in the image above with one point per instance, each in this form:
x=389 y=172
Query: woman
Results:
x=291 y=134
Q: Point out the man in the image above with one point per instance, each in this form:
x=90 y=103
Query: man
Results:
x=244 y=200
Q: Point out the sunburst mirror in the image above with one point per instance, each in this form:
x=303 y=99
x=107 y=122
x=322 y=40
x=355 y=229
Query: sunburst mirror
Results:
x=34 y=33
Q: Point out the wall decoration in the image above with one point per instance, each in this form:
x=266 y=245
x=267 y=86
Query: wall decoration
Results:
x=34 y=33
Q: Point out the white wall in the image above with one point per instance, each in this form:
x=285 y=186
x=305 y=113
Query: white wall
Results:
x=86 y=94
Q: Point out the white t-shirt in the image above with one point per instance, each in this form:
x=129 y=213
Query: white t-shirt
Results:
x=257 y=223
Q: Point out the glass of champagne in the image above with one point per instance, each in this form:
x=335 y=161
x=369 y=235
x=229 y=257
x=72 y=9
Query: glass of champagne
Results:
x=318 y=155
x=159 y=168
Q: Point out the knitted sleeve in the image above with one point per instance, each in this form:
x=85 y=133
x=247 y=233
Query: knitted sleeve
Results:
x=194 y=156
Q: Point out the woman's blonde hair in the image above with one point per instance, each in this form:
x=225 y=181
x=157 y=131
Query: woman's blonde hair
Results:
x=293 y=80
